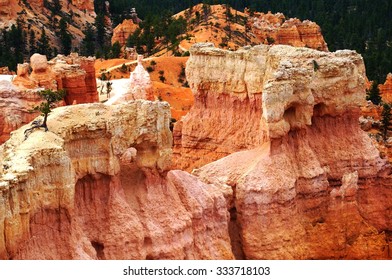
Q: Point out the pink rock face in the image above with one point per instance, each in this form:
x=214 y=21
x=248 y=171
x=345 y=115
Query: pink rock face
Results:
x=139 y=86
x=5 y=9
x=245 y=98
x=307 y=182
x=103 y=190
x=42 y=75
x=15 y=106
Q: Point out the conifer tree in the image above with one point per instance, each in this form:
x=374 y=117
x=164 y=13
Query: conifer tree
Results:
x=385 y=121
x=43 y=46
x=65 y=37
x=374 y=94
x=50 y=97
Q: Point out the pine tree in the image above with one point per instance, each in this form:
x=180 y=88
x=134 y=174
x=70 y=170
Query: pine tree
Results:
x=374 y=94
x=88 y=43
x=43 y=46
x=32 y=43
x=50 y=97
x=65 y=37
x=385 y=121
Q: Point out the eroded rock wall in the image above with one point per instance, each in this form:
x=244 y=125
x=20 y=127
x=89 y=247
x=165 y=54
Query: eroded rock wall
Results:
x=245 y=98
x=98 y=186
x=15 y=106
x=309 y=184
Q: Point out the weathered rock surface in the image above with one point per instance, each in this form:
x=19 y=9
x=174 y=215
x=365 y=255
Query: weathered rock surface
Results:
x=274 y=28
x=138 y=86
x=97 y=186
x=15 y=106
x=306 y=182
x=386 y=89
x=74 y=73
x=261 y=93
x=122 y=31
x=87 y=6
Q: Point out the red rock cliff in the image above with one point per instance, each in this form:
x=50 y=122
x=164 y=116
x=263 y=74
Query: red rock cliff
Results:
x=98 y=186
x=386 y=89
x=274 y=28
x=306 y=182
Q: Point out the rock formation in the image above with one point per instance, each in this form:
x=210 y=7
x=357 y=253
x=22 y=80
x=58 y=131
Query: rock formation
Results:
x=386 y=89
x=306 y=182
x=122 y=31
x=5 y=9
x=97 y=186
x=15 y=106
x=245 y=28
x=274 y=28
x=75 y=74
x=138 y=86
x=87 y=6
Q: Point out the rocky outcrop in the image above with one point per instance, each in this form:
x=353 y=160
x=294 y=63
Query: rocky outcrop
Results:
x=15 y=106
x=4 y=5
x=274 y=28
x=306 y=182
x=97 y=185
x=74 y=73
x=260 y=93
x=138 y=86
x=386 y=89
x=122 y=31
x=87 y=6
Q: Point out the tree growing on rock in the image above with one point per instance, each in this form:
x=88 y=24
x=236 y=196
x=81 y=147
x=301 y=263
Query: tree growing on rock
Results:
x=50 y=98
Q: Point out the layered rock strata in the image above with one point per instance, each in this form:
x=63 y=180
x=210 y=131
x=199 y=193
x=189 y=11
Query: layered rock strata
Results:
x=302 y=180
x=74 y=73
x=98 y=186
x=15 y=108
x=274 y=28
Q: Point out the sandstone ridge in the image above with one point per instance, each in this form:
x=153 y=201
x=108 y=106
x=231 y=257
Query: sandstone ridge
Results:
x=97 y=186
x=306 y=182
x=261 y=93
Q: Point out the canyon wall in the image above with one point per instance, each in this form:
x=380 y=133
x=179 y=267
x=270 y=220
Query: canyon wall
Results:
x=97 y=185
x=302 y=180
